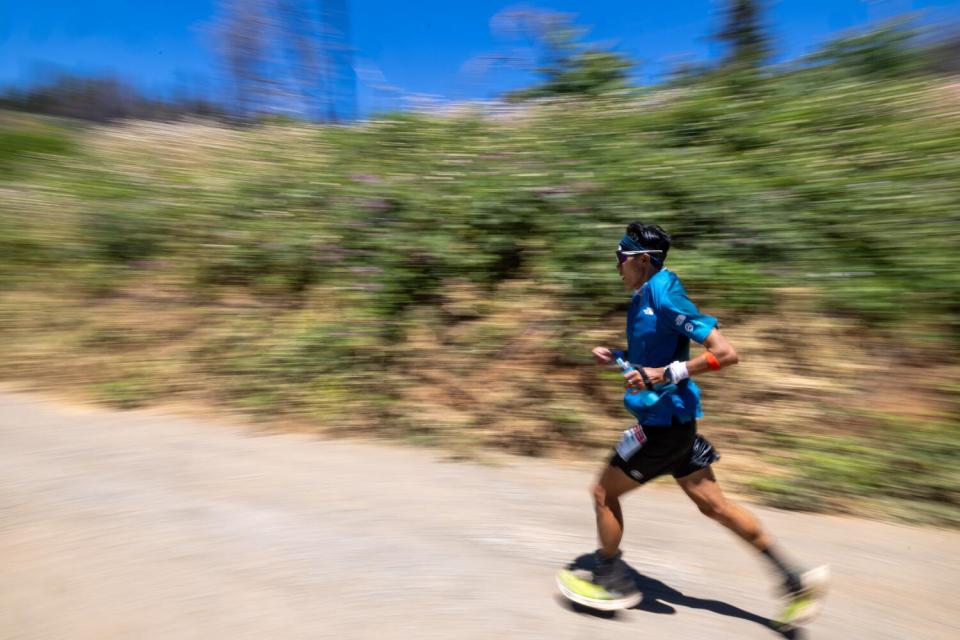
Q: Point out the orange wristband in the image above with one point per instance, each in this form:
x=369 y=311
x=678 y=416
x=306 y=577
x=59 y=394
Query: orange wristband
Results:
x=712 y=361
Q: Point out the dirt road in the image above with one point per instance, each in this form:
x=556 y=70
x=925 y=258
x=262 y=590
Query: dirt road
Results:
x=145 y=525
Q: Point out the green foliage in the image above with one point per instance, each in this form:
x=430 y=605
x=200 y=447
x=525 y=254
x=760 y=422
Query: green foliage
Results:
x=122 y=234
x=301 y=369
x=845 y=185
x=587 y=73
x=898 y=464
x=570 y=68
x=20 y=248
x=22 y=146
x=127 y=393
x=274 y=259
x=880 y=54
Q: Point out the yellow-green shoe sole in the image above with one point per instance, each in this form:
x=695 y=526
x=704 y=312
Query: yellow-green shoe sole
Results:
x=805 y=607
x=584 y=592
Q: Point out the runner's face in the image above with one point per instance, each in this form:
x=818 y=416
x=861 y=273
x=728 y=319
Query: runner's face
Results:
x=632 y=271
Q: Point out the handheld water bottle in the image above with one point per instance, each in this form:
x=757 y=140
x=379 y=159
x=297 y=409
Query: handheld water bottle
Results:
x=642 y=398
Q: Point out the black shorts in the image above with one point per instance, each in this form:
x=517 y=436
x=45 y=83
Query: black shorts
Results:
x=678 y=450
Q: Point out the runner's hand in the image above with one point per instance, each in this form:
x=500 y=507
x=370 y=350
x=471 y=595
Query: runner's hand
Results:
x=603 y=355
x=635 y=381
x=656 y=375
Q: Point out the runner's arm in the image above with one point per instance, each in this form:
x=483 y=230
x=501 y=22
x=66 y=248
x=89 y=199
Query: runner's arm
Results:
x=721 y=349
x=717 y=345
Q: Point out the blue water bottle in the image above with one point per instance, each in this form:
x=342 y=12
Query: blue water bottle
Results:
x=640 y=399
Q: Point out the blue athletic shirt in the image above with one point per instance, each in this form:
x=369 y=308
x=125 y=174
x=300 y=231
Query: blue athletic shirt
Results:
x=661 y=322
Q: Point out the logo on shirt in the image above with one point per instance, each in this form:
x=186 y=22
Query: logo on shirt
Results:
x=680 y=319
x=648 y=311
x=688 y=326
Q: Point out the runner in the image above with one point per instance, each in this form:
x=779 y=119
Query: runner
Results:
x=661 y=322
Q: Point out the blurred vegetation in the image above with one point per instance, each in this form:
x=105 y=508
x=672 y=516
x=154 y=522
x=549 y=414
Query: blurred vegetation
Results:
x=441 y=277
x=567 y=66
x=908 y=468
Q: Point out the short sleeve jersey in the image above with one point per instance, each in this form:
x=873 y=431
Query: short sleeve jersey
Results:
x=661 y=322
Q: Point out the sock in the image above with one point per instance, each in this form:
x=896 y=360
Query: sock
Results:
x=790 y=573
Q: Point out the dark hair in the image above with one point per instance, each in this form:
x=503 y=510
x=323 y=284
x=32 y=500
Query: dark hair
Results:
x=650 y=236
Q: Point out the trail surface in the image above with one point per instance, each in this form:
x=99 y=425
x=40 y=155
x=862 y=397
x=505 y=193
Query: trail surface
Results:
x=146 y=525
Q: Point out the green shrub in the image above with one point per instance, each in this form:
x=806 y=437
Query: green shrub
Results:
x=28 y=145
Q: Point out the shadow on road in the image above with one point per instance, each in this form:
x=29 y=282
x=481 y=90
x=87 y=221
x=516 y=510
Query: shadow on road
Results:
x=659 y=597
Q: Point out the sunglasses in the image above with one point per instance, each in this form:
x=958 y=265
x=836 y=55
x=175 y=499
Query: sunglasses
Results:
x=623 y=255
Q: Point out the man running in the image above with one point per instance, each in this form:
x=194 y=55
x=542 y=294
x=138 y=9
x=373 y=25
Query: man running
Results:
x=661 y=394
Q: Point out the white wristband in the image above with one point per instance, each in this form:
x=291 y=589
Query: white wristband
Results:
x=678 y=371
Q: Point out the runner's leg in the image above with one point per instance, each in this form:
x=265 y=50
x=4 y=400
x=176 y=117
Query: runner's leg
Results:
x=612 y=484
x=702 y=487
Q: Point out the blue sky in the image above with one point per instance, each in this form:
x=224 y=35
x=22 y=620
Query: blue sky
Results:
x=430 y=47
